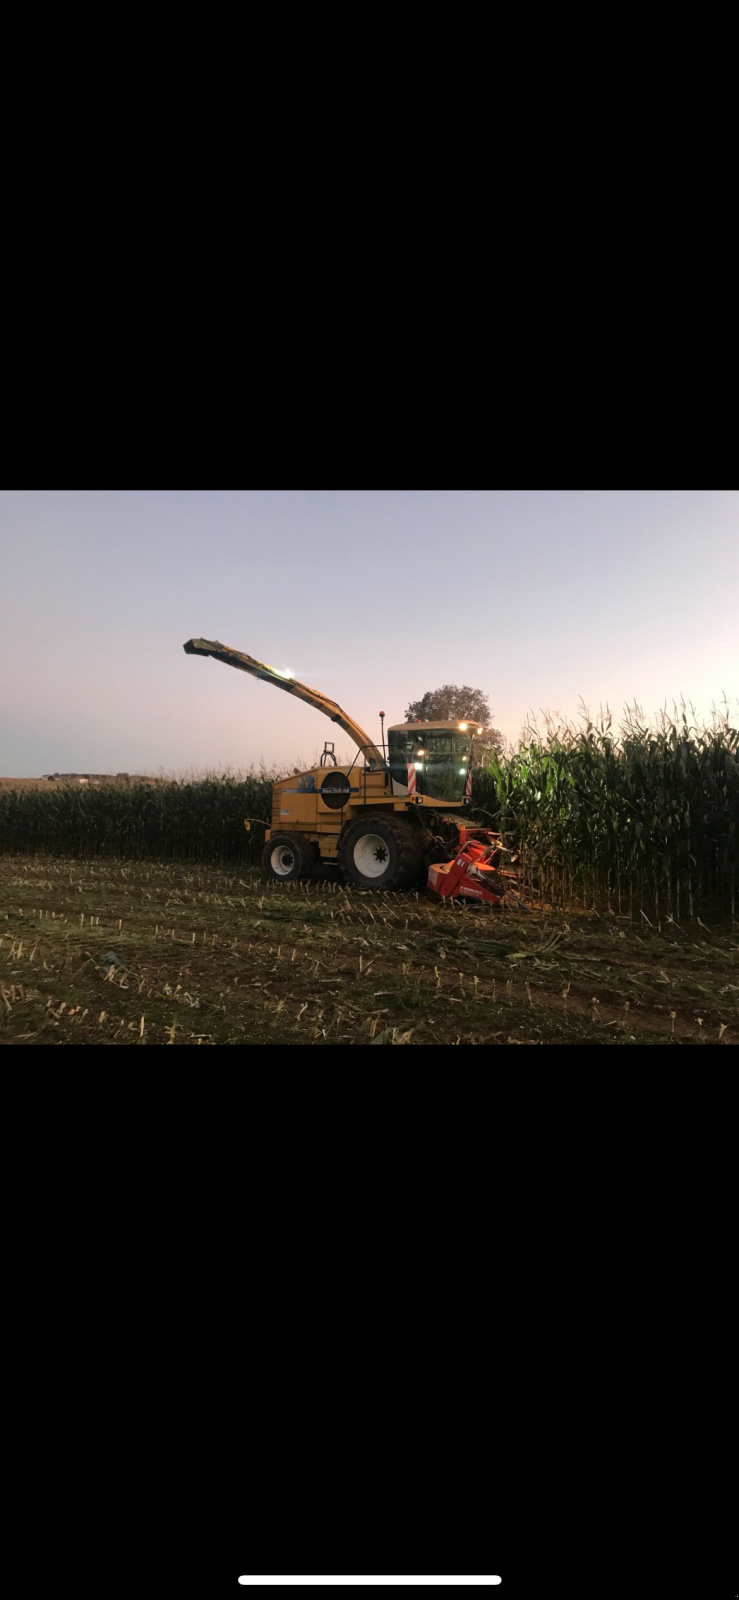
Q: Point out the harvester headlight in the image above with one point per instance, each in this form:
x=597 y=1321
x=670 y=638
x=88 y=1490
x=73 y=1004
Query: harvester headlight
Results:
x=479 y=730
x=463 y=727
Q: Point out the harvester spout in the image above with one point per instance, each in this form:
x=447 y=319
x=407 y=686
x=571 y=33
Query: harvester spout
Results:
x=313 y=697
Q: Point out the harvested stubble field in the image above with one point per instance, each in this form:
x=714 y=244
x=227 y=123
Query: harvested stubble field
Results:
x=106 y=951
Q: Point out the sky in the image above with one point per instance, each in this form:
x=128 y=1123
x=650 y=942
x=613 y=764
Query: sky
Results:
x=538 y=597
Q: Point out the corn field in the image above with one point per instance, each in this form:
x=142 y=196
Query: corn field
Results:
x=199 y=819
x=641 y=818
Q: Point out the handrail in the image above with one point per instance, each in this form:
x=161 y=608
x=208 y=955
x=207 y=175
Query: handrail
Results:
x=368 y=767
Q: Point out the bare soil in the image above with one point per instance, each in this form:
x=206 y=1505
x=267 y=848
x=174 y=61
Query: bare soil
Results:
x=119 y=952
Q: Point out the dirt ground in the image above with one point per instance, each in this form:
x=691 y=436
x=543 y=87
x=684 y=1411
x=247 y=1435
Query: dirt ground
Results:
x=118 y=952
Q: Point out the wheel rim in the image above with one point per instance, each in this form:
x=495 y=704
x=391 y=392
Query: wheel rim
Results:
x=371 y=856
x=282 y=860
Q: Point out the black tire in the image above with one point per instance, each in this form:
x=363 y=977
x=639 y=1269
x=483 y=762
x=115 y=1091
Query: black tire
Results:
x=286 y=857
x=393 y=847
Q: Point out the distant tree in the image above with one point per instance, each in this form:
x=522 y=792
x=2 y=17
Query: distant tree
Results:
x=464 y=704
x=450 y=702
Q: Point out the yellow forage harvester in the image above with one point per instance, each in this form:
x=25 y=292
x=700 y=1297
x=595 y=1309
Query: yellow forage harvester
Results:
x=394 y=816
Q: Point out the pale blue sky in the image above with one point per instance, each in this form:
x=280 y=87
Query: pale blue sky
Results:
x=373 y=596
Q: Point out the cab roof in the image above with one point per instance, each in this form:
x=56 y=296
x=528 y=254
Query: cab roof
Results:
x=417 y=727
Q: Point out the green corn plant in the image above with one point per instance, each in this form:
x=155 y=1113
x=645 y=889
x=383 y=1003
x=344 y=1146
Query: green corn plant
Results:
x=644 y=816
x=198 y=819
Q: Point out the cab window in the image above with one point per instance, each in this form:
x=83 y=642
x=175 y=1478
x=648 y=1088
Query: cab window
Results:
x=441 y=757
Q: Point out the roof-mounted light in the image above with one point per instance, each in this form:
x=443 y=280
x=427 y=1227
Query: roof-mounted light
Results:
x=463 y=727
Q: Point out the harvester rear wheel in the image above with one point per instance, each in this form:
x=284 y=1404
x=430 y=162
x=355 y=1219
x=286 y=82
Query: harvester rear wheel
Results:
x=381 y=852
x=286 y=856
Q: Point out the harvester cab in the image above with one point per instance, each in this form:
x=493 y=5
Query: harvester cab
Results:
x=432 y=760
x=385 y=817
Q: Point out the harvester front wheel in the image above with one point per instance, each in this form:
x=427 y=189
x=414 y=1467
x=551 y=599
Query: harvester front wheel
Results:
x=381 y=852
x=286 y=856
